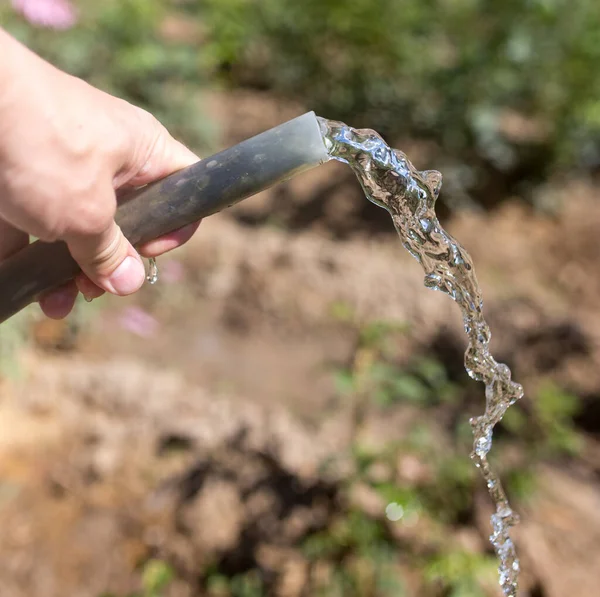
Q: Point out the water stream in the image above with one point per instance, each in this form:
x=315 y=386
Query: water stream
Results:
x=390 y=181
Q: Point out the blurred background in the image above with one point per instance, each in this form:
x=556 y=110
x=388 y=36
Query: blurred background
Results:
x=286 y=412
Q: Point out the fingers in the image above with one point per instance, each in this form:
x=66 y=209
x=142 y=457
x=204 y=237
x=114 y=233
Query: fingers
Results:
x=170 y=241
x=56 y=304
x=59 y=303
x=154 y=154
x=109 y=260
x=11 y=240
x=89 y=290
x=151 y=153
x=166 y=156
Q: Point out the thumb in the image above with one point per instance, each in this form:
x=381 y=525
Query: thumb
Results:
x=109 y=260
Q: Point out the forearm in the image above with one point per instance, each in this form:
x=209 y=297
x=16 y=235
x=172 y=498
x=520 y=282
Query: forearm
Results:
x=25 y=79
x=17 y=64
x=14 y=61
x=12 y=53
x=6 y=44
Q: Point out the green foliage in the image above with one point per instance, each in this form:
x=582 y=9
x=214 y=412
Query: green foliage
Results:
x=375 y=371
x=375 y=334
x=437 y=501
x=156 y=577
x=505 y=93
x=461 y=573
x=246 y=585
x=521 y=483
x=16 y=332
x=547 y=430
x=249 y=584
x=354 y=532
x=453 y=72
x=554 y=411
x=118 y=46
x=364 y=556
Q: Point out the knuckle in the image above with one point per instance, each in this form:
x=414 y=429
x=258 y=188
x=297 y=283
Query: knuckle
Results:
x=80 y=208
x=153 y=142
x=92 y=217
x=155 y=127
x=147 y=118
x=150 y=124
x=92 y=223
x=48 y=223
x=108 y=256
x=50 y=231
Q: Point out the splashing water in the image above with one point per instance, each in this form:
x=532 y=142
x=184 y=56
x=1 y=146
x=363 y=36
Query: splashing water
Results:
x=390 y=181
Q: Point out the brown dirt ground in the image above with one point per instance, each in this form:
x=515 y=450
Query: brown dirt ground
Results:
x=237 y=376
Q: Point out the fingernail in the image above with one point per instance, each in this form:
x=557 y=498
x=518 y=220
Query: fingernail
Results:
x=128 y=277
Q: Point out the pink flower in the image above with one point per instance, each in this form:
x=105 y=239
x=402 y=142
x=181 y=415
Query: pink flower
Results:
x=172 y=272
x=53 y=14
x=137 y=321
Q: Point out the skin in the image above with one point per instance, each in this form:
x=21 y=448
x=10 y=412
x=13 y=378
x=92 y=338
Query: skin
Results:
x=66 y=150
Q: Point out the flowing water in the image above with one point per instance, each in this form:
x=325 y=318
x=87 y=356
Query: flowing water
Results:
x=390 y=181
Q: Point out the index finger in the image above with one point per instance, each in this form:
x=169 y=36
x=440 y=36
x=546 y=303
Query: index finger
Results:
x=12 y=240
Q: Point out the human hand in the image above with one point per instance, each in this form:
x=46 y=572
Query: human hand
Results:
x=66 y=150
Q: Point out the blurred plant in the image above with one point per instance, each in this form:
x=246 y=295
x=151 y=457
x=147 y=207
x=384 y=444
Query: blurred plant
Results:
x=554 y=410
x=363 y=548
x=374 y=376
x=429 y=475
x=55 y=14
x=460 y=573
x=507 y=91
x=364 y=557
x=124 y=47
x=423 y=383
x=156 y=578
x=248 y=584
x=31 y=329
x=546 y=425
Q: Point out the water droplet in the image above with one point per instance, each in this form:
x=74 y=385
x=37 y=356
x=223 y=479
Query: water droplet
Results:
x=152 y=276
x=433 y=178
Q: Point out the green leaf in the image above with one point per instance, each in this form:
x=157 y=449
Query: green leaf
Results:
x=514 y=419
x=521 y=483
x=553 y=403
x=342 y=311
x=432 y=371
x=156 y=576
x=411 y=389
x=345 y=383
